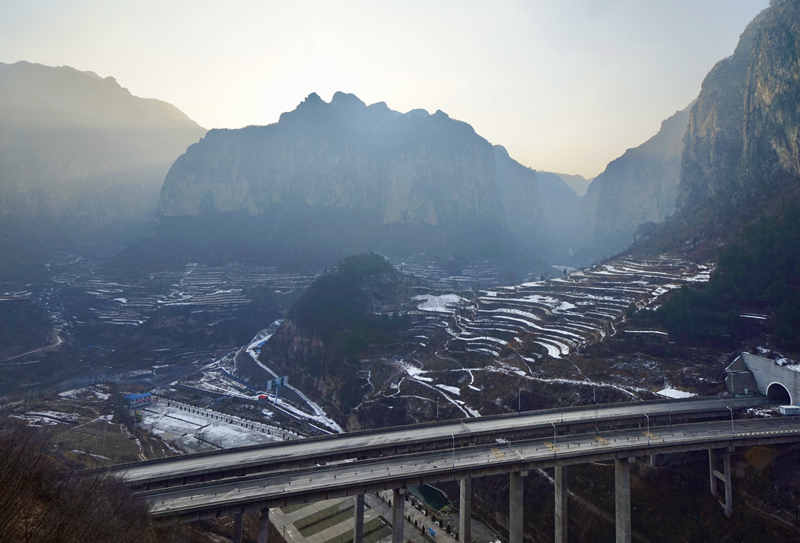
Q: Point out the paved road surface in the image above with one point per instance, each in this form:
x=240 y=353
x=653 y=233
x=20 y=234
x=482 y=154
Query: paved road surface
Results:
x=177 y=467
x=391 y=471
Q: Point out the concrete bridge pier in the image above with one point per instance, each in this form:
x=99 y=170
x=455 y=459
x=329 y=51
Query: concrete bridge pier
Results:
x=358 y=520
x=562 y=496
x=238 y=526
x=721 y=459
x=622 y=499
x=263 y=530
x=655 y=460
x=712 y=481
x=516 y=520
x=398 y=519
x=465 y=510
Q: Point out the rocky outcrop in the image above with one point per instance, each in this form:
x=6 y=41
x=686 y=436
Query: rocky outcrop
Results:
x=336 y=178
x=742 y=155
x=639 y=187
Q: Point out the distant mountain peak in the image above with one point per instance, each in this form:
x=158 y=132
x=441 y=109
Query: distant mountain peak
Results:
x=387 y=181
x=346 y=99
x=418 y=113
x=312 y=98
x=379 y=106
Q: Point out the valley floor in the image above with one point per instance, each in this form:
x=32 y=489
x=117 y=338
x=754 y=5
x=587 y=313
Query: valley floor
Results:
x=474 y=347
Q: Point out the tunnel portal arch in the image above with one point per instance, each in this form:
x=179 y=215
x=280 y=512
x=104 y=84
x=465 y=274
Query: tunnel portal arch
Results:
x=779 y=394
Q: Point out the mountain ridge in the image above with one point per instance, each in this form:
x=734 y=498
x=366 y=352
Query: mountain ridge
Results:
x=741 y=160
x=426 y=182
x=82 y=161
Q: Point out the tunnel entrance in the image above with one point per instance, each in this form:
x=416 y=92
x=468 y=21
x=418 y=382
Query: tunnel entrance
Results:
x=778 y=394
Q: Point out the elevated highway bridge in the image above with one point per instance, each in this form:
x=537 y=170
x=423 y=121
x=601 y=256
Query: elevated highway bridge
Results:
x=705 y=424
x=421 y=437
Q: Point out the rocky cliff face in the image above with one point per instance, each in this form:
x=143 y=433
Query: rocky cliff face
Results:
x=337 y=178
x=79 y=155
x=742 y=155
x=344 y=155
x=540 y=210
x=639 y=187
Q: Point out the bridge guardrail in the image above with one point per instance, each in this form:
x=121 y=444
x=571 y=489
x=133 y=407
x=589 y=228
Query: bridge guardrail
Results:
x=748 y=402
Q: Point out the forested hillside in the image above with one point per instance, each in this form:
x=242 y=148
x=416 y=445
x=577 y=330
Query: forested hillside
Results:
x=759 y=272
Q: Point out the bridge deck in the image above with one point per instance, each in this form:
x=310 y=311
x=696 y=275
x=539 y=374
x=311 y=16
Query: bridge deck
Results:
x=371 y=475
x=379 y=441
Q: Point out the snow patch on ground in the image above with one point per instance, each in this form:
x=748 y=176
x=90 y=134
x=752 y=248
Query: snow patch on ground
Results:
x=414 y=372
x=192 y=432
x=670 y=392
x=451 y=389
x=443 y=303
x=35 y=419
x=552 y=350
x=84 y=393
x=97 y=456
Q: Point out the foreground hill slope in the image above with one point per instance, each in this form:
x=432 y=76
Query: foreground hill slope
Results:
x=331 y=179
x=80 y=156
x=46 y=500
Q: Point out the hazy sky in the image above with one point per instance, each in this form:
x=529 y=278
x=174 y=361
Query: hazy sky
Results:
x=565 y=85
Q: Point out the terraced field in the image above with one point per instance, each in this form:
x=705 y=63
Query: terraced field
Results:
x=220 y=290
x=557 y=316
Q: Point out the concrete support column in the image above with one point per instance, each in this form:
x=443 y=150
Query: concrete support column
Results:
x=515 y=507
x=358 y=526
x=465 y=510
x=727 y=505
x=655 y=460
x=725 y=477
x=398 y=520
x=711 y=467
x=263 y=529
x=237 y=527
x=622 y=499
x=562 y=496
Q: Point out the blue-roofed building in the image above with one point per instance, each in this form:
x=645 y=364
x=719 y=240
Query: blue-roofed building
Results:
x=136 y=400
